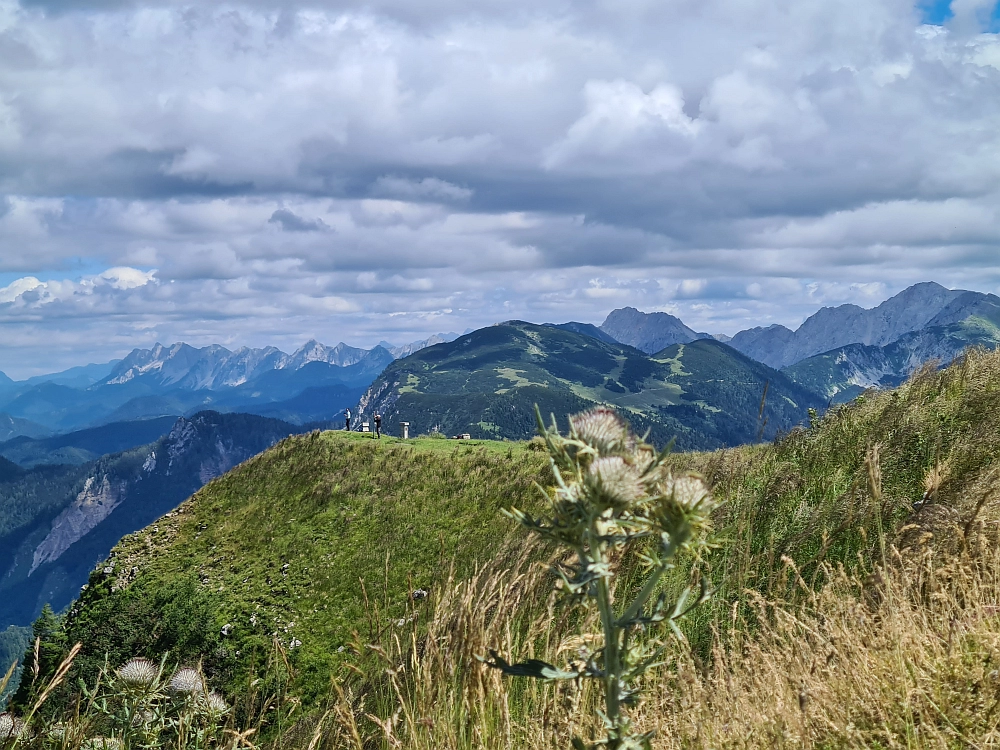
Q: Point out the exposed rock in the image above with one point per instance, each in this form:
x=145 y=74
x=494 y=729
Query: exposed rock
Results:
x=915 y=308
x=94 y=503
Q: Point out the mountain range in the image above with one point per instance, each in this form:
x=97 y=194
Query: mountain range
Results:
x=838 y=352
x=315 y=382
x=925 y=305
x=704 y=394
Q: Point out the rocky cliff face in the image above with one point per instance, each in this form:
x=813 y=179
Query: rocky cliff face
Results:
x=96 y=501
x=844 y=372
x=117 y=495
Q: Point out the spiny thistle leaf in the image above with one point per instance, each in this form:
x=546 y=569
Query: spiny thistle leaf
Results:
x=532 y=668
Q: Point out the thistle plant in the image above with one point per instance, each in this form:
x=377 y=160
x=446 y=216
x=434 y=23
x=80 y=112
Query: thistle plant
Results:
x=139 y=706
x=614 y=493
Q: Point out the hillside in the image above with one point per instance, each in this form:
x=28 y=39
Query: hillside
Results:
x=289 y=545
x=13 y=643
x=704 y=394
x=56 y=521
x=843 y=373
x=11 y=427
x=85 y=445
x=280 y=547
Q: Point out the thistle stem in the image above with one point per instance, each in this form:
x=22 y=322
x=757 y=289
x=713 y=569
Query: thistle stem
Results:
x=612 y=655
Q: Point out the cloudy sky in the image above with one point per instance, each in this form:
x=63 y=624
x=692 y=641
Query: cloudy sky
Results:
x=264 y=172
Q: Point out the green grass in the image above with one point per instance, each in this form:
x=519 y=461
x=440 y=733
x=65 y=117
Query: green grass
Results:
x=289 y=544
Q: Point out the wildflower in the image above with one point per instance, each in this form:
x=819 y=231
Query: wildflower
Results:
x=10 y=726
x=138 y=672
x=601 y=428
x=187 y=681
x=619 y=482
x=688 y=491
x=216 y=703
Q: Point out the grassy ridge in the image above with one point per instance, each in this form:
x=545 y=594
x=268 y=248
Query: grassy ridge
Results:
x=279 y=547
x=857 y=603
x=486 y=383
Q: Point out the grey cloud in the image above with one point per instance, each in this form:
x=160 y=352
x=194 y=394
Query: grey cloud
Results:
x=290 y=222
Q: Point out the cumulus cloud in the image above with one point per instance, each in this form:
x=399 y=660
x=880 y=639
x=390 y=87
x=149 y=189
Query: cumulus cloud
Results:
x=263 y=172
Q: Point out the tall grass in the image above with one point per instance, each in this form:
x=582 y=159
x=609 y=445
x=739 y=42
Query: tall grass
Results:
x=858 y=604
x=903 y=656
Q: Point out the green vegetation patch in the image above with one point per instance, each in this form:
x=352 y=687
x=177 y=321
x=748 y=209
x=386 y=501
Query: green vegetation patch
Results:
x=288 y=546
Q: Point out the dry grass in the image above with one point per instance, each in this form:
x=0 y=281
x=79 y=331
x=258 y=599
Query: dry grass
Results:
x=908 y=658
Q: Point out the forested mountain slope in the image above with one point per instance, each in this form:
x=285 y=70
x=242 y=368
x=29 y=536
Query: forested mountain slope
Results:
x=56 y=522
x=704 y=394
x=82 y=446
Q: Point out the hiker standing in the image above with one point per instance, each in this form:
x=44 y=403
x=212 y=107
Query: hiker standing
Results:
x=347 y=419
x=378 y=426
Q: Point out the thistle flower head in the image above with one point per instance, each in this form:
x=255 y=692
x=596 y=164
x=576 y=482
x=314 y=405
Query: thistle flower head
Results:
x=216 y=704
x=10 y=726
x=601 y=428
x=688 y=491
x=617 y=480
x=138 y=672
x=187 y=681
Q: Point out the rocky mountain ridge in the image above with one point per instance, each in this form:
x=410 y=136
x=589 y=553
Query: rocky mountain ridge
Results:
x=648 y=332
x=215 y=367
x=919 y=306
x=838 y=352
x=843 y=373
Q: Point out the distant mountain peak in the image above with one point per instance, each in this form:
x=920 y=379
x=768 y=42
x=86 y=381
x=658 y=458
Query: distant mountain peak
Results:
x=648 y=332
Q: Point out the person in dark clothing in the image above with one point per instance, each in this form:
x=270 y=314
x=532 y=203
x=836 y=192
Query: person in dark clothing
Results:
x=347 y=419
x=378 y=426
